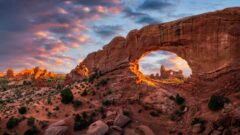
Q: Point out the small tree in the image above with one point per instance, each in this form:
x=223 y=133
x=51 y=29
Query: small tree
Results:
x=22 y=110
x=77 y=103
x=32 y=131
x=67 y=96
x=84 y=93
x=30 y=121
x=12 y=122
x=179 y=100
x=216 y=103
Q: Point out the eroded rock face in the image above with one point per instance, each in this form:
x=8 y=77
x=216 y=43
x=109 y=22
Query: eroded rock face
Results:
x=208 y=42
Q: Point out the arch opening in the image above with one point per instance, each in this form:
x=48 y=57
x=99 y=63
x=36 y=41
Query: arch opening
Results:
x=159 y=66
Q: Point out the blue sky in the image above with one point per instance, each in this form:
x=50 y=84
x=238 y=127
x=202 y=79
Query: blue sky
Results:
x=58 y=34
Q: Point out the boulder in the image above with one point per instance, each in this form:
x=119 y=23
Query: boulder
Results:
x=197 y=128
x=59 y=123
x=98 y=128
x=130 y=132
x=57 y=128
x=115 y=130
x=121 y=120
x=145 y=130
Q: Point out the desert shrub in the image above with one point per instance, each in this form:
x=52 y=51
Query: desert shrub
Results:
x=154 y=113
x=32 y=131
x=67 y=96
x=22 y=110
x=5 y=133
x=12 y=122
x=176 y=115
x=43 y=124
x=84 y=93
x=125 y=112
x=93 y=93
x=107 y=102
x=82 y=122
x=103 y=82
x=179 y=100
x=77 y=103
x=30 y=121
x=94 y=76
x=49 y=100
x=216 y=103
x=4 y=82
x=101 y=110
x=49 y=114
x=27 y=83
x=197 y=121
x=59 y=86
x=108 y=92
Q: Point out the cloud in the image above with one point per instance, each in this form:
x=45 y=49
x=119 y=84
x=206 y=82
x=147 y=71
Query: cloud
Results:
x=139 y=17
x=158 y=5
x=147 y=20
x=41 y=33
x=107 y=30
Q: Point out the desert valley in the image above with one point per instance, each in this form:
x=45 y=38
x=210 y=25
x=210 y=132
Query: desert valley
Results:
x=107 y=94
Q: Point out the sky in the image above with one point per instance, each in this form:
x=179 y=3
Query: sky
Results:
x=58 y=34
x=151 y=63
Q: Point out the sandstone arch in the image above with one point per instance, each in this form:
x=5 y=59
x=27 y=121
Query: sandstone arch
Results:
x=208 y=42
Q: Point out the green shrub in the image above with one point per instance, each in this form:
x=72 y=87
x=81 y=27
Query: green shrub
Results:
x=103 y=82
x=101 y=110
x=125 y=112
x=22 y=110
x=82 y=122
x=12 y=122
x=30 y=121
x=154 y=113
x=32 y=131
x=176 y=115
x=216 y=103
x=77 y=103
x=49 y=100
x=94 y=76
x=27 y=83
x=197 y=121
x=84 y=93
x=67 y=96
x=179 y=100
x=107 y=102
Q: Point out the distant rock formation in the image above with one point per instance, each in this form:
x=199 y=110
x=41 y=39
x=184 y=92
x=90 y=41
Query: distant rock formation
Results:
x=10 y=73
x=2 y=74
x=167 y=74
x=34 y=74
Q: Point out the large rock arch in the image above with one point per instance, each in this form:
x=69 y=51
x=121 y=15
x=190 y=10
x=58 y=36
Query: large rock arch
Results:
x=208 y=42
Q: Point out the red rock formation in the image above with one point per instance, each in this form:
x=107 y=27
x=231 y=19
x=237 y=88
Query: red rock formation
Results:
x=10 y=73
x=208 y=42
x=2 y=74
x=35 y=73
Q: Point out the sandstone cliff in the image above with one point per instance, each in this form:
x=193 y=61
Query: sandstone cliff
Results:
x=208 y=42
